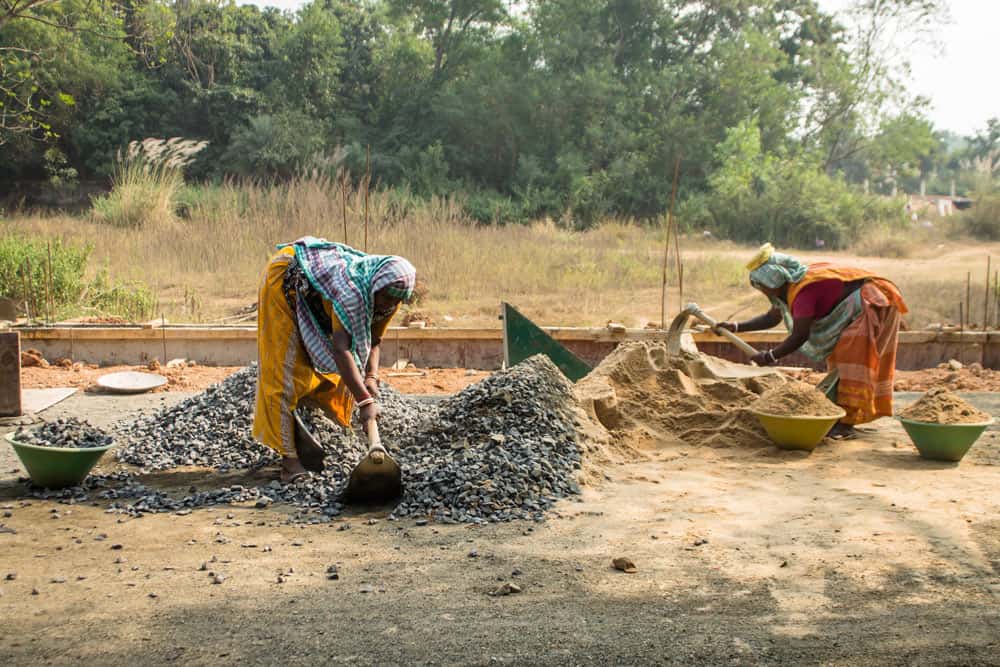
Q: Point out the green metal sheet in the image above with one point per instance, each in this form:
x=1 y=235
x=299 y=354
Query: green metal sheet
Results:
x=522 y=338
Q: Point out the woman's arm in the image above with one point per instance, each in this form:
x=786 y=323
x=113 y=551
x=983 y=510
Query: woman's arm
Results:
x=374 y=357
x=801 y=327
x=771 y=318
x=371 y=370
x=351 y=375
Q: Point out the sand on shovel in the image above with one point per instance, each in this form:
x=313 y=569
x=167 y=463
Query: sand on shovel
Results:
x=940 y=406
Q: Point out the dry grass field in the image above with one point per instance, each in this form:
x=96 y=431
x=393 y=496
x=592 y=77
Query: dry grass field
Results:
x=204 y=264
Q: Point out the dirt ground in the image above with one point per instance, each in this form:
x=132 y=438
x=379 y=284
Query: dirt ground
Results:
x=197 y=378
x=858 y=554
x=451 y=380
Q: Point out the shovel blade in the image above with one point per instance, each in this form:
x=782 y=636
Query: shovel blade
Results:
x=374 y=480
x=676 y=331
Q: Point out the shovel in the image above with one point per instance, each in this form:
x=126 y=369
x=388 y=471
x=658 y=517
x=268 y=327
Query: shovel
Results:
x=693 y=310
x=828 y=385
x=311 y=454
x=377 y=477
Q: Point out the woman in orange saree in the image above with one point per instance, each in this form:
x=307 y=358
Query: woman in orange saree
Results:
x=846 y=316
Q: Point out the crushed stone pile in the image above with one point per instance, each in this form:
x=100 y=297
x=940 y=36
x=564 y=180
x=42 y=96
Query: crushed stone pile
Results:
x=940 y=406
x=213 y=428
x=647 y=398
x=68 y=433
x=505 y=448
x=796 y=399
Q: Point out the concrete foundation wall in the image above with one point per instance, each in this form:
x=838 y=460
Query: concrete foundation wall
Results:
x=450 y=348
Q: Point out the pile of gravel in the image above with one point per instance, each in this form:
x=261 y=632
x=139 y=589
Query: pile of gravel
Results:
x=502 y=449
x=68 y=433
x=213 y=429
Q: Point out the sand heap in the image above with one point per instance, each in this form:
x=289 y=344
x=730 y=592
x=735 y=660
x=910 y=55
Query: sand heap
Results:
x=940 y=406
x=647 y=398
x=797 y=399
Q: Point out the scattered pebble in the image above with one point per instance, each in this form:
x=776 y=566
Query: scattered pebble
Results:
x=506 y=589
x=625 y=565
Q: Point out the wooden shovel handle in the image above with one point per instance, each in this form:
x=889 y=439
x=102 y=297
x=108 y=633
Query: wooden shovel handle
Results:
x=737 y=341
x=375 y=449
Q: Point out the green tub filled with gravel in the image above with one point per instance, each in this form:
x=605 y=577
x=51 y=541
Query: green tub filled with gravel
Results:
x=60 y=454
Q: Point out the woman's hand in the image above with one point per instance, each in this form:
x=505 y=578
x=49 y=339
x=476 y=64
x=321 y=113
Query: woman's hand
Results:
x=765 y=358
x=372 y=385
x=728 y=326
x=367 y=413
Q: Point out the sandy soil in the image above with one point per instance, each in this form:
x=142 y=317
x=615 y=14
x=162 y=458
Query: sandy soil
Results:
x=451 y=380
x=197 y=378
x=82 y=376
x=859 y=554
x=966 y=379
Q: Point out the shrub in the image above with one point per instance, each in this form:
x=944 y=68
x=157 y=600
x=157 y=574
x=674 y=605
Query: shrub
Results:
x=24 y=271
x=279 y=145
x=983 y=220
x=491 y=208
x=24 y=276
x=146 y=182
x=789 y=200
x=133 y=301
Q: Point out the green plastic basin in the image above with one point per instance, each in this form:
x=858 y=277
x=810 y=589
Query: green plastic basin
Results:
x=57 y=467
x=943 y=442
x=802 y=433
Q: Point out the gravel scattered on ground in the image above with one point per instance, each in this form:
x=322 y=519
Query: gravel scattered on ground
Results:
x=70 y=433
x=505 y=448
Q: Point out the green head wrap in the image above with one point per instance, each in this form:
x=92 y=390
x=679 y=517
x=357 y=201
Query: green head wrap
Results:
x=774 y=269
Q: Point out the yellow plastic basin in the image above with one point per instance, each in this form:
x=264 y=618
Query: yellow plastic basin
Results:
x=802 y=433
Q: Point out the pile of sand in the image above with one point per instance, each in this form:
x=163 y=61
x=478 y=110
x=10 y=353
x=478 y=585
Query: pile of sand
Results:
x=940 y=406
x=797 y=399
x=647 y=399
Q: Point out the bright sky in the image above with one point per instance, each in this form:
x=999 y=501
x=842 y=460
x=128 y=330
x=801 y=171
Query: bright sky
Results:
x=957 y=77
x=960 y=81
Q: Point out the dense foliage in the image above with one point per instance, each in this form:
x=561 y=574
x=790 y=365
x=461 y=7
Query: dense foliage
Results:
x=573 y=109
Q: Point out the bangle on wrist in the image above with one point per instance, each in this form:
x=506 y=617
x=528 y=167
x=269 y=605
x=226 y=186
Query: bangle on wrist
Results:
x=371 y=376
x=770 y=355
x=367 y=401
x=736 y=327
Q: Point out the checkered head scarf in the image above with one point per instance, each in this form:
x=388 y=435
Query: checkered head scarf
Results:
x=348 y=279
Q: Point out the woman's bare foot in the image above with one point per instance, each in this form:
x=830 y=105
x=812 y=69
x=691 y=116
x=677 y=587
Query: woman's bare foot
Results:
x=841 y=431
x=291 y=470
